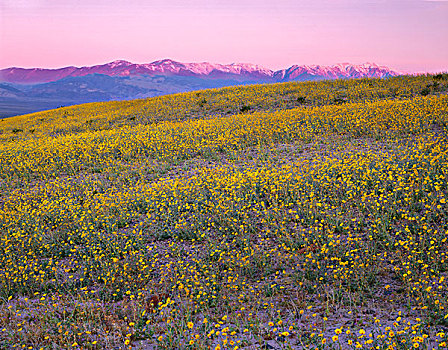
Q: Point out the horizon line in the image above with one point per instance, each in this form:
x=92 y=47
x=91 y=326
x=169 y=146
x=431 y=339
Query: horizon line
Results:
x=198 y=62
x=400 y=71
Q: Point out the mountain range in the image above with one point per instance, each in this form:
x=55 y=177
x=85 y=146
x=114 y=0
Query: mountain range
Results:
x=25 y=90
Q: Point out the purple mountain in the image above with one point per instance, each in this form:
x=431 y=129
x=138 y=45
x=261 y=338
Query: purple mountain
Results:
x=235 y=71
x=25 y=90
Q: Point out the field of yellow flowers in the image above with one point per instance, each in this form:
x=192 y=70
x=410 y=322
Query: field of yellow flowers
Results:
x=285 y=216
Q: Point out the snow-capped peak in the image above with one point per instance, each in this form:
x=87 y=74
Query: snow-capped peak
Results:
x=118 y=63
x=242 y=71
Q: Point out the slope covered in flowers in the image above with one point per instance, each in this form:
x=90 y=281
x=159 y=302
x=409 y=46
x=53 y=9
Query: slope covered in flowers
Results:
x=307 y=215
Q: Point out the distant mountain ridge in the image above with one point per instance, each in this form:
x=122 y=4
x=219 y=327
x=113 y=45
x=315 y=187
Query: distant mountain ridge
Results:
x=244 y=71
x=26 y=90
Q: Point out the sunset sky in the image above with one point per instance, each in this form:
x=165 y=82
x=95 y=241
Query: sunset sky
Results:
x=407 y=35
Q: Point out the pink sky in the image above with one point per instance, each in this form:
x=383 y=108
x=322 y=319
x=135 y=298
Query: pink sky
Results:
x=410 y=35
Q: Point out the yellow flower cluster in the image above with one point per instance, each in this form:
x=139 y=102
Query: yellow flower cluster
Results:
x=217 y=231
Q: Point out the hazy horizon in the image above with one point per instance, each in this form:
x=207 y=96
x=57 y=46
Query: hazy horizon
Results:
x=406 y=35
x=191 y=62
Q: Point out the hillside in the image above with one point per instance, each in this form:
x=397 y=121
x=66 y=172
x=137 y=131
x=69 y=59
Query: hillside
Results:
x=278 y=216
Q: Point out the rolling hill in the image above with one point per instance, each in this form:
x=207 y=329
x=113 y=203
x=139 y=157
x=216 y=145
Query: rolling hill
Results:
x=280 y=216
